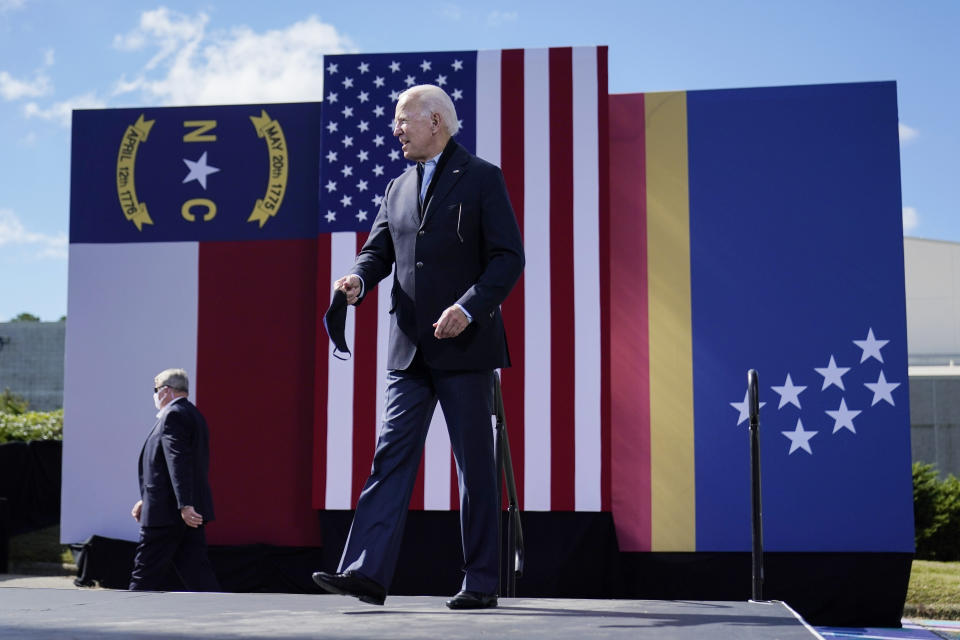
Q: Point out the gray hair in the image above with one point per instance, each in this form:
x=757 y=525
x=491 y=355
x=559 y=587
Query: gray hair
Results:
x=173 y=378
x=432 y=99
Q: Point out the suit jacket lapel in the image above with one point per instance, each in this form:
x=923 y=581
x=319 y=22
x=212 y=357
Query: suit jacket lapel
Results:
x=451 y=174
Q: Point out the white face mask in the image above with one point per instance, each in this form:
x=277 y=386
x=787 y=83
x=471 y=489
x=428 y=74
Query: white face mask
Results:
x=156 y=400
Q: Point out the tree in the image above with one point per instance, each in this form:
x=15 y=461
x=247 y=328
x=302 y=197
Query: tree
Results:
x=25 y=317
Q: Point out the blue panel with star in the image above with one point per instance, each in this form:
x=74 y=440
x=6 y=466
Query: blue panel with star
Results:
x=162 y=174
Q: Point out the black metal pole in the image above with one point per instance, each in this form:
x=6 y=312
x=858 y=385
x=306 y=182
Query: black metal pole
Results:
x=755 y=498
x=515 y=548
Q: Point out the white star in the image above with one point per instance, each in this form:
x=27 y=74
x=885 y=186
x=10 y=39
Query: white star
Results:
x=199 y=170
x=347 y=112
x=331 y=156
x=347 y=83
x=364 y=125
x=832 y=374
x=331 y=127
x=347 y=141
x=457 y=94
x=378 y=141
x=378 y=170
x=331 y=216
x=799 y=439
x=871 y=347
x=843 y=417
x=441 y=80
x=457 y=65
x=364 y=67
x=378 y=111
x=378 y=82
x=363 y=96
x=425 y=65
x=363 y=156
x=377 y=200
x=881 y=389
x=789 y=393
x=331 y=186
x=331 y=97
x=743 y=407
x=410 y=81
x=394 y=155
x=345 y=200
x=393 y=97
x=362 y=185
x=347 y=171
x=331 y=68
x=394 y=66
x=361 y=215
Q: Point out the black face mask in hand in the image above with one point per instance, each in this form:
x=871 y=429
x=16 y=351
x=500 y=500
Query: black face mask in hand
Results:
x=335 y=321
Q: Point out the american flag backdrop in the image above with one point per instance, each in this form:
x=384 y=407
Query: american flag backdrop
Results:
x=540 y=114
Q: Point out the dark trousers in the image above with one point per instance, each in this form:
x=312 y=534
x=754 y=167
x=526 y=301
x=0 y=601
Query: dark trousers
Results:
x=177 y=545
x=466 y=398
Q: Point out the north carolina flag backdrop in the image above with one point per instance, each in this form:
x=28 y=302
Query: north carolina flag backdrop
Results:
x=759 y=228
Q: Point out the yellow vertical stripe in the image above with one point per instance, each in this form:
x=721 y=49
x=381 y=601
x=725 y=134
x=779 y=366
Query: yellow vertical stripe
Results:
x=673 y=492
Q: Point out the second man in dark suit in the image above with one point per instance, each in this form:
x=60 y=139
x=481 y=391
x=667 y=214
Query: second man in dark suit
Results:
x=447 y=226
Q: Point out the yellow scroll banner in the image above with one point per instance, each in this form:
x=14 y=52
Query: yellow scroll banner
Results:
x=272 y=134
x=134 y=210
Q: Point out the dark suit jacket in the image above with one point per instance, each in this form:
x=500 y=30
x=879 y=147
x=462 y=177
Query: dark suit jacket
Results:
x=466 y=250
x=174 y=464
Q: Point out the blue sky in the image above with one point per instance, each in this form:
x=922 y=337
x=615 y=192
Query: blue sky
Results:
x=56 y=55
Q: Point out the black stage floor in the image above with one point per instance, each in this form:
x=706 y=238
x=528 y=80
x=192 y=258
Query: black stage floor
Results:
x=105 y=614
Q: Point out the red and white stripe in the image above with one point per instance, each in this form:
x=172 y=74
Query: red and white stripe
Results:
x=541 y=116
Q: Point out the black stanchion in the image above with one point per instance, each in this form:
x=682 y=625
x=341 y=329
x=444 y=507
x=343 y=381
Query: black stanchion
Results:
x=753 y=400
x=515 y=550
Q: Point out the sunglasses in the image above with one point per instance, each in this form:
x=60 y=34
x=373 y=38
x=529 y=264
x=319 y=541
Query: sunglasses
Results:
x=156 y=389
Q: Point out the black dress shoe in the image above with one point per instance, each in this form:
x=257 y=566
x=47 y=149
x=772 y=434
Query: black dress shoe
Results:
x=351 y=583
x=472 y=600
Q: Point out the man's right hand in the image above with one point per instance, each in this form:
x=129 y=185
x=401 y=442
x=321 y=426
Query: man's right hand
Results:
x=351 y=286
x=135 y=512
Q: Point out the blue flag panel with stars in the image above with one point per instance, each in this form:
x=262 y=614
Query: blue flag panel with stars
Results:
x=806 y=285
x=359 y=154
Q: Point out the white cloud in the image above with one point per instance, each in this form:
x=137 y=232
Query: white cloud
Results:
x=452 y=12
x=12 y=232
x=910 y=219
x=10 y=5
x=62 y=112
x=907 y=133
x=498 y=18
x=13 y=89
x=193 y=66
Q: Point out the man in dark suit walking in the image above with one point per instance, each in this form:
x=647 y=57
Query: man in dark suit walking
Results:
x=175 y=495
x=448 y=227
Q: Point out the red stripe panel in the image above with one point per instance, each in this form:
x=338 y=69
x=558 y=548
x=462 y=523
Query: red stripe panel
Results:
x=511 y=157
x=629 y=328
x=562 y=326
x=416 y=498
x=364 y=388
x=320 y=372
x=256 y=341
x=605 y=295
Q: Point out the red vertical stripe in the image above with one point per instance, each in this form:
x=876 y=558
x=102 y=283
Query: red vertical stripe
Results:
x=562 y=326
x=605 y=289
x=256 y=341
x=511 y=156
x=364 y=387
x=629 y=326
x=320 y=372
x=416 y=500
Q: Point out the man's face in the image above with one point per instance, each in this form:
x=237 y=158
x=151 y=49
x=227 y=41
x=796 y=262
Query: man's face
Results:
x=415 y=131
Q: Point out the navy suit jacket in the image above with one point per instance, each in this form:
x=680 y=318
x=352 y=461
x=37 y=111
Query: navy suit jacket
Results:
x=467 y=249
x=174 y=464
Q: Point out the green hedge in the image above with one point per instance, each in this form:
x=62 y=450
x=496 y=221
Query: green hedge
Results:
x=936 y=514
x=31 y=425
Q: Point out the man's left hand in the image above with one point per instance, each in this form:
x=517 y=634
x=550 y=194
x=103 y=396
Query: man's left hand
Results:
x=452 y=322
x=190 y=517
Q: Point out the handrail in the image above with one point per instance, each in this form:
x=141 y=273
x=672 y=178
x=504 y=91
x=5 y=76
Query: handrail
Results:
x=753 y=404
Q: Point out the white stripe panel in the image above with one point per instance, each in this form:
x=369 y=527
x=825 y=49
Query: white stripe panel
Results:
x=536 y=221
x=343 y=250
x=436 y=465
x=383 y=345
x=488 y=106
x=586 y=271
x=132 y=312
